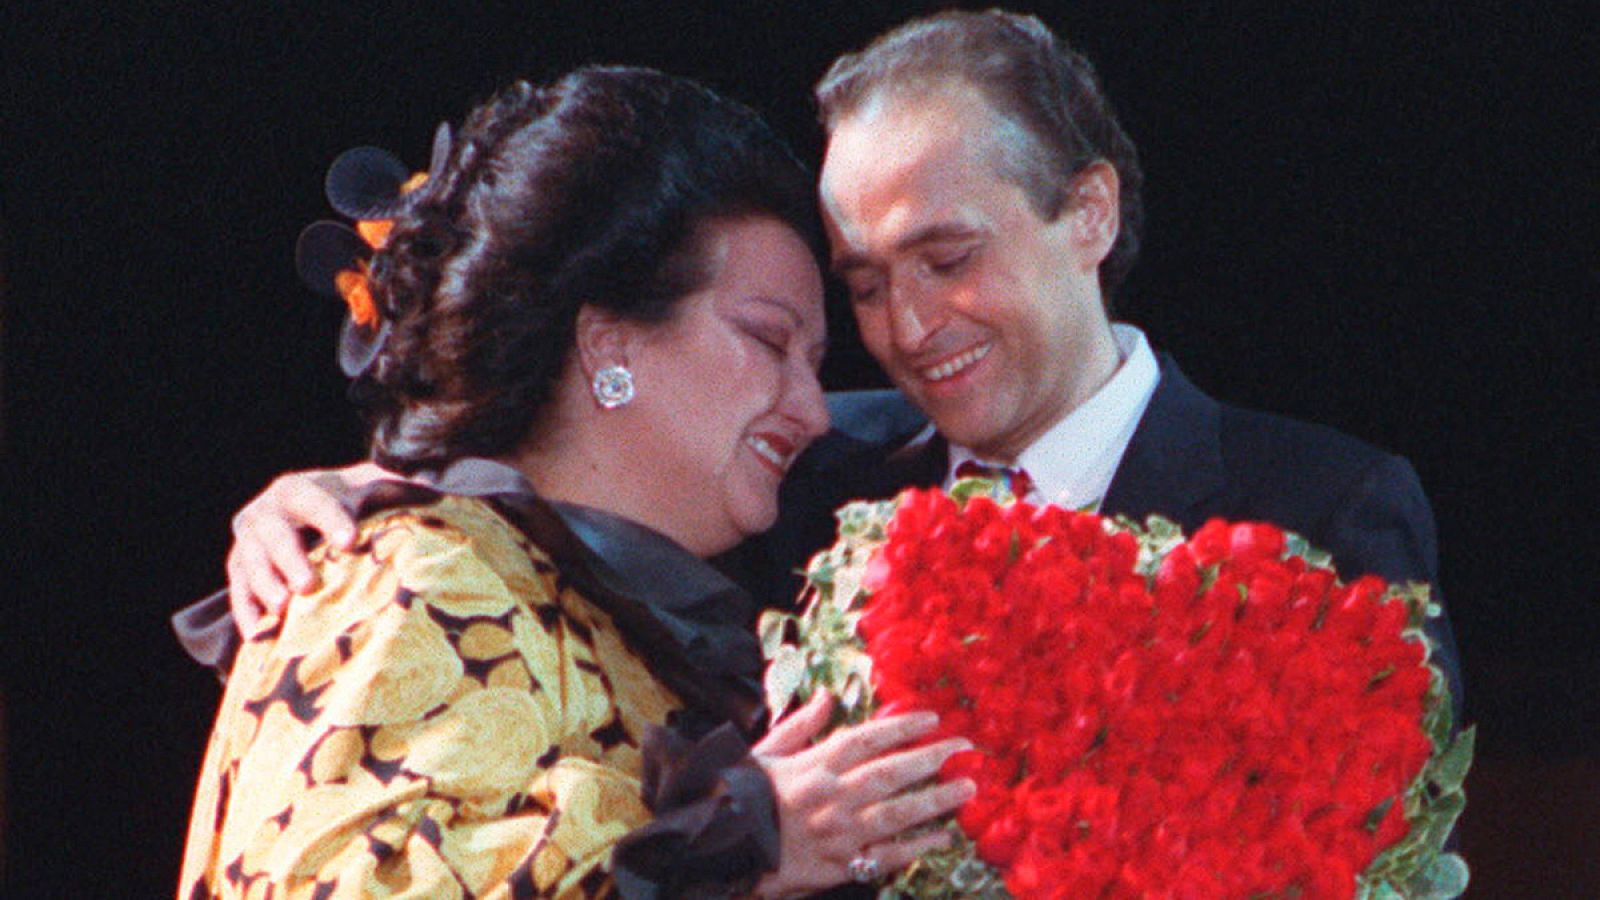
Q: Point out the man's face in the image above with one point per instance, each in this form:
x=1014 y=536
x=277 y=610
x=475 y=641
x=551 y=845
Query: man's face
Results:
x=984 y=314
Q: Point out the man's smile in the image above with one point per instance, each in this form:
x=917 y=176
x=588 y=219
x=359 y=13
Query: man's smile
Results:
x=956 y=364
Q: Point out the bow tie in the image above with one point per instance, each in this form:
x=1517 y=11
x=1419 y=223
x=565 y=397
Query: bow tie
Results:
x=1015 y=478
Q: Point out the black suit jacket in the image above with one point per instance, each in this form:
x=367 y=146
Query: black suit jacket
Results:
x=1191 y=459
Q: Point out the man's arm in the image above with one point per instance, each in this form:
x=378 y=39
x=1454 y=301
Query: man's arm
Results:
x=1385 y=527
x=268 y=558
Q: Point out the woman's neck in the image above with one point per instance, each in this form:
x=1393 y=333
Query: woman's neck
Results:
x=573 y=473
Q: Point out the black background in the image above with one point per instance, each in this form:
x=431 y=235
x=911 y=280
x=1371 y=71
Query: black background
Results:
x=1381 y=216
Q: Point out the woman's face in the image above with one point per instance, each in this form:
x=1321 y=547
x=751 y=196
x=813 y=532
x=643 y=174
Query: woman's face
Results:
x=727 y=389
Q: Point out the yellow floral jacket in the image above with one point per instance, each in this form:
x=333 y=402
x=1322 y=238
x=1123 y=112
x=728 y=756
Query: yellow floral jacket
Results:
x=445 y=717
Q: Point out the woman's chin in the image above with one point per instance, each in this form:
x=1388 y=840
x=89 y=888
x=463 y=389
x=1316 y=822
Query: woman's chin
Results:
x=757 y=519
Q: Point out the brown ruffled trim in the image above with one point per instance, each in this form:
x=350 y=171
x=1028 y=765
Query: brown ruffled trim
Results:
x=715 y=831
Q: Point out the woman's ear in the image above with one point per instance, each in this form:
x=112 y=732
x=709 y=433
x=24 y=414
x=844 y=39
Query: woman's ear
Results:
x=1093 y=203
x=602 y=338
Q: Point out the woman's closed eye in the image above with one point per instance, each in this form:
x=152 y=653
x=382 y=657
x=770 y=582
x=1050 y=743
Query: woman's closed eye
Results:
x=773 y=339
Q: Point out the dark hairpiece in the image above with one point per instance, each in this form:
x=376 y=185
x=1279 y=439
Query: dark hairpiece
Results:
x=371 y=186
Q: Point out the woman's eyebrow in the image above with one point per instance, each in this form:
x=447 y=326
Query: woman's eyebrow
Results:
x=786 y=308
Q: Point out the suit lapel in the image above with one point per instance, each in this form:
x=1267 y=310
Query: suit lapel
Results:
x=920 y=463
x=1174 y=461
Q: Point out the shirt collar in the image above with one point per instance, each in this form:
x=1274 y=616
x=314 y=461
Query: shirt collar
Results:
x=1072 y=463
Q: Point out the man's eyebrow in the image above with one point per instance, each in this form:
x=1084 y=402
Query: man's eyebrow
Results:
x=927 y=234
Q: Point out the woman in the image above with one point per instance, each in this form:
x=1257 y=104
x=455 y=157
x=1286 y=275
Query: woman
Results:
x=601 y=319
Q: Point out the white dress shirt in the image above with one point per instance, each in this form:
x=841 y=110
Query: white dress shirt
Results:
x=1072 y=464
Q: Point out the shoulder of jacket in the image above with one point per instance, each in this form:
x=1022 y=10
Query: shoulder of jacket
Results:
x=452 y=537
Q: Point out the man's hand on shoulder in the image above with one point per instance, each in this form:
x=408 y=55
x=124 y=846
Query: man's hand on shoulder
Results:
x=268 y=559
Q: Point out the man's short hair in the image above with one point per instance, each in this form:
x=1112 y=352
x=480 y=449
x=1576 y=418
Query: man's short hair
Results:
x=1029 y=76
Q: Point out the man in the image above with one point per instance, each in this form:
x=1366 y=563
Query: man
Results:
x=982 y=204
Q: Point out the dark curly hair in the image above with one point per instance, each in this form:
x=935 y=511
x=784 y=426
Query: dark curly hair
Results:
x=593 y=190
x=1028 y=75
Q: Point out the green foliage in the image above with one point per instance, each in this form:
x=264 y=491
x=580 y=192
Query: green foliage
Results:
x=948 y=874
x=1417 y=868
x=817 y=649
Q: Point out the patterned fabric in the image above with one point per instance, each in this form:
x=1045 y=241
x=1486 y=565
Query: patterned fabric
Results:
x=445 y=717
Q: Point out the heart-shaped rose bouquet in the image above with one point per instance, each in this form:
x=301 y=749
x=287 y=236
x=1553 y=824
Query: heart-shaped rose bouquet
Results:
x=1154 y=716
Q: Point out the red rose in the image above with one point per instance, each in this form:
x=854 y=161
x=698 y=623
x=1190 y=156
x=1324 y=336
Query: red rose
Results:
x=1000 y=840
x=1255 y=540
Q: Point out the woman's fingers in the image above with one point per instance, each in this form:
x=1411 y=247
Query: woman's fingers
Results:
x=306 y=500
x=892 y=856
x=853 y=793
x=795 y=731
x=885 y=819
x=898 y=770
x=848 y=748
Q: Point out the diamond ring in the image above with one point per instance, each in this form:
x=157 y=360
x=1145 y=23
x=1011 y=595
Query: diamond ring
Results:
x=864 y=870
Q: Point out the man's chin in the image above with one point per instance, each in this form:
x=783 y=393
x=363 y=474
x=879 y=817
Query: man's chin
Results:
x=957 y=421
x=979 y=434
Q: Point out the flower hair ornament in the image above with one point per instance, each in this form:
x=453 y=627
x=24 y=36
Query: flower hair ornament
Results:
x=370 y=186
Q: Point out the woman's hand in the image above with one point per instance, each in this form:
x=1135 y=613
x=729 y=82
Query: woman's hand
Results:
x=841 y=799
x=268 y=557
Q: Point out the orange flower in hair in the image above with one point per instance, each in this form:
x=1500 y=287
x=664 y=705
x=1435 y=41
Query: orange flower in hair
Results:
x=356 y=290
x=376 y=231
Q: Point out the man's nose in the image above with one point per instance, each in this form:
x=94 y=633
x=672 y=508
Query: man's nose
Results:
x=912 y=315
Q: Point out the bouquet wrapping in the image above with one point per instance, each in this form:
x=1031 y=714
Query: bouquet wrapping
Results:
x=1153 y=715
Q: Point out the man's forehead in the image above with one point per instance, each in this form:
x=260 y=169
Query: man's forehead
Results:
x=897 y=132
x=920 y=91
x=909 y=161
x=945 y=104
